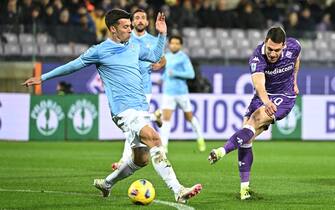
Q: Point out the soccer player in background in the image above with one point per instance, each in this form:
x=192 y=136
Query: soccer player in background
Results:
x=117 y=62
x=140 y=23
x=274 y=68
x=178 y=69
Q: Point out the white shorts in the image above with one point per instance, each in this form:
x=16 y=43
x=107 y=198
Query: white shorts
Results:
x=183 y=101
x=148 y=98
x=131 y=123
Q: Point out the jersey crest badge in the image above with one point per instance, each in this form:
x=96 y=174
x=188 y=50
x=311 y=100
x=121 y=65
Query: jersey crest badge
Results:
x=253 y=67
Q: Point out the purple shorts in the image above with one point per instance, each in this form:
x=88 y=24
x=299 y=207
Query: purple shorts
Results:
x=284 y=105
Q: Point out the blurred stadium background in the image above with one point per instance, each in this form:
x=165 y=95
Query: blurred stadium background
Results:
x=219 y=35
x=37 y=36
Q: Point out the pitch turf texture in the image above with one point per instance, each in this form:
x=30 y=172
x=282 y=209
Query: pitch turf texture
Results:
x=285 y=175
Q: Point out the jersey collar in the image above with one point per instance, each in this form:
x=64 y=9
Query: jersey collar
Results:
x=139 y=37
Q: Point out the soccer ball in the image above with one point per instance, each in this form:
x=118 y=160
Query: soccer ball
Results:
x=141 y=192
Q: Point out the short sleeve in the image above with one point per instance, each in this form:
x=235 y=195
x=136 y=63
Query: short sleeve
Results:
x=90 y=56
x=297 y=47
x=257 y=64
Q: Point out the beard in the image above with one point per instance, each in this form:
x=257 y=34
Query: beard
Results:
x=140 y=28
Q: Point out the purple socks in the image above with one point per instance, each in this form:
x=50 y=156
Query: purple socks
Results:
x=245 y=159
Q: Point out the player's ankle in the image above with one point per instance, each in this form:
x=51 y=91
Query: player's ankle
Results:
x=244 y=185
x=222 y=151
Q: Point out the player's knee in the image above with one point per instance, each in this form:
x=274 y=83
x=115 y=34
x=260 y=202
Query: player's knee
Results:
x=154 y=138
x=256 y=120
x=188 y=116
x=141 y=158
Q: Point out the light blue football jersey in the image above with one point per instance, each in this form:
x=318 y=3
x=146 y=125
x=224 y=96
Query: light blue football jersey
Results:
x=181 y=67
x=118 y=67
x=149 y=41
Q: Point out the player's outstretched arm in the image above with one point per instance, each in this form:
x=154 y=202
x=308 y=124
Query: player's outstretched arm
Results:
x=59 y=71
x=89 y=57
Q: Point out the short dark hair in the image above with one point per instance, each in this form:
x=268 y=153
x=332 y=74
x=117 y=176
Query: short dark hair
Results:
x=176 y=37
x=114 y=15
x=276 y=34
x=136 y=11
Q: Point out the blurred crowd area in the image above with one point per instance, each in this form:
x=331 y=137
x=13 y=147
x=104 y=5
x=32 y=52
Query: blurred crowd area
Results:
x=82 y=21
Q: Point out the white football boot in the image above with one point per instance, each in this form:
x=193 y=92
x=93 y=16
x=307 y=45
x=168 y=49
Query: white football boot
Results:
x=186 y=193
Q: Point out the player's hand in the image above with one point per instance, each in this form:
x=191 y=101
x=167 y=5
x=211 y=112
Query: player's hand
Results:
x=156 y=66
x=270 y=108
x=296 y=89
x=160 y=23
x=32 y=81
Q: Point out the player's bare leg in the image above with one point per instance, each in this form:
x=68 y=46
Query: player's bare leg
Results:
x=196 y=128
x=127 y=151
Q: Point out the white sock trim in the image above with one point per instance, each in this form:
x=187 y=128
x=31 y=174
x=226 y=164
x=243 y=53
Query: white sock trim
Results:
x=223 y=151
x=246 y=145
x=154 y=150
x=152 y=117
x=250 y=128
x=244 y=184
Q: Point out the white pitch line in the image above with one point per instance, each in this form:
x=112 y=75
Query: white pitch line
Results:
x=175 y=205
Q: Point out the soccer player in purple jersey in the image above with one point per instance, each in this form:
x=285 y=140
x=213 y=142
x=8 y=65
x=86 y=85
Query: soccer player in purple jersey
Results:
x=274 y=67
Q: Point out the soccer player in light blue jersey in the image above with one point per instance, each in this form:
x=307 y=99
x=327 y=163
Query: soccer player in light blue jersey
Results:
x=178 y=69
x=140 y=23
x=117 y=61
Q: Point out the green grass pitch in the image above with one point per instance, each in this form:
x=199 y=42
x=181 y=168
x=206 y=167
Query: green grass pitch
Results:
x=285 y=175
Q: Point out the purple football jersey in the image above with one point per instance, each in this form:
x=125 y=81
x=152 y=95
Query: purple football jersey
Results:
x=279 y=76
